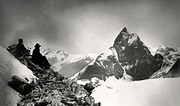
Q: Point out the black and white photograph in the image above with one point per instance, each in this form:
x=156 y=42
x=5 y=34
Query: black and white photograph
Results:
x=89 y=53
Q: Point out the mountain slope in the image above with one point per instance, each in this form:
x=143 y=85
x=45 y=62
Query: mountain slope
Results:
x=170 y=62
x=67 y=64
x=103 y=66
x=128 y=58
x=10 y=66
x=73 y=63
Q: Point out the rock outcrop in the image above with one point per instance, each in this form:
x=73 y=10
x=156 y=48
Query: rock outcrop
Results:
x=134 y=54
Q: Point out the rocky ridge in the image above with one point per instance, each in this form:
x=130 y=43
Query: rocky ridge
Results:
x=50 y=89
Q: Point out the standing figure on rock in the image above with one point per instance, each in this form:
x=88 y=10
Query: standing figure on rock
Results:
x=39 y=59
x=20 y=49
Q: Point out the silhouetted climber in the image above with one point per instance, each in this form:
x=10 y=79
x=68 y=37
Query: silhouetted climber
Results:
x=39 y=59
x=20 y=49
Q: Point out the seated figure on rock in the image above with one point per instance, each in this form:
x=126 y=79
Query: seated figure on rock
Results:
x=39 y=59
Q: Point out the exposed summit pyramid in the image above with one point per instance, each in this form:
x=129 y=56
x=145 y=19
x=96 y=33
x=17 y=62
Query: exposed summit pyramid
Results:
x=128 y=57
x=134 y=55
x=124 y=30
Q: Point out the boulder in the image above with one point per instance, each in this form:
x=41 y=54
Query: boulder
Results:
x=20 y=85
x=89 y=87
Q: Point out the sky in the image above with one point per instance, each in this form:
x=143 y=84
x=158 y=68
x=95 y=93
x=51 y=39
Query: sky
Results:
x=83 y=26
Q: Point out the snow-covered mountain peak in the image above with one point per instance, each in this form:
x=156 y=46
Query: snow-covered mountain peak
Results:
x=55 y=55
x=73 y=63
x=61 y=53
x=48 y=53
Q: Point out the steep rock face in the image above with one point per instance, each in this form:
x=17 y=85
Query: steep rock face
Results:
x=170 y=62
x=104 y=66
x=157 y=61
x=174 y=71
x=133 y=54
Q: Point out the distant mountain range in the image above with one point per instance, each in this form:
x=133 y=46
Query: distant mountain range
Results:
x=130 y=59
x=68 y=64
x=55 y=56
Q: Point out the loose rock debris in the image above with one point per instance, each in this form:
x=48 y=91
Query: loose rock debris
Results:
x=52 y=89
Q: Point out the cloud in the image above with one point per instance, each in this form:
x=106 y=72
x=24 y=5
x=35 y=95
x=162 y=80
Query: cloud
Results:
x=83 y=26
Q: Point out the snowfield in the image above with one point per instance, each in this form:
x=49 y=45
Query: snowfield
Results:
x=154 y=92
x=10 y=66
